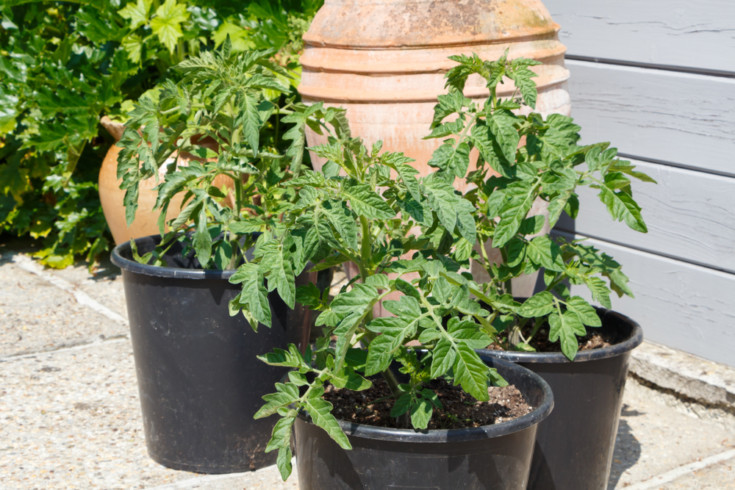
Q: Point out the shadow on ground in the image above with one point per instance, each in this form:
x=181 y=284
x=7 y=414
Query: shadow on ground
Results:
x=627 y=448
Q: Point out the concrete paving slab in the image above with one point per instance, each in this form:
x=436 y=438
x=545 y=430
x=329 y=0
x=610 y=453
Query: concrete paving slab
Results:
x=720 y=476
x=36 y=315
x=71 y=419
x=104 y=285
x=656 y=437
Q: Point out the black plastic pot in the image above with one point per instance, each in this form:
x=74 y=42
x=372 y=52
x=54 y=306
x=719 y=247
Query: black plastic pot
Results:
x=494 y=456
x=574 y=446
x=199 y=380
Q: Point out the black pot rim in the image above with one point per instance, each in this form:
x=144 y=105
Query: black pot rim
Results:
x=121 y=256
x=538 y=414
x=633 y=341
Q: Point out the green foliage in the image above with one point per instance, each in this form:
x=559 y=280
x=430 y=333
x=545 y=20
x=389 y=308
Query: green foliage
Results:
x=355 y=211
x=508 y=179
x=65 y=64
x=403 y=235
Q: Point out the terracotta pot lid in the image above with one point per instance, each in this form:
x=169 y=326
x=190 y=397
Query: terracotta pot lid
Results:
x=395 y=24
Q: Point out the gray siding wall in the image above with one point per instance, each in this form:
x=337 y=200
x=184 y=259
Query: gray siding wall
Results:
x=657 y=79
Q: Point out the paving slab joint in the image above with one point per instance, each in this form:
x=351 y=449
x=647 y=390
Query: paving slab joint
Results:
x=685 y=376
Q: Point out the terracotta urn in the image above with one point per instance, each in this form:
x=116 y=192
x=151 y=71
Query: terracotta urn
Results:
x=385 y=61
x=111 y=196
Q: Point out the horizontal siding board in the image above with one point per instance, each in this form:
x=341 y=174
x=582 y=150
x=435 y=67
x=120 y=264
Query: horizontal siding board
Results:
x=685 y=119
x=689 y=216
x=694 y=35
x=677 y=304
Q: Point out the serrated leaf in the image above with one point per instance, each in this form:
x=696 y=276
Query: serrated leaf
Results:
x=622 y=207
x=166 y=24
x=281 y=434
x=136 y=13
x=446 y=129
x=468 y=333
x=502 y=126
x=380 y=353
x=523 y=79
x=545 y=252
x=564 y=328
x=421 y=412
x=443 y=201
x=406 y=307
x=320 y=412
x=407 y=288
x=283 y=462
x=470 y=372
x=343 y=221
x=443 y=358
x=586 y=313
x=251 y=122
x=451 y=158
x=350 y=380
x=408 y=175
x=517 y=202
x=600 y=291
x=253 y=293
x=538 y=305
x=279 y=271
x=284 y=396
x=401 y=406
x=367 y=203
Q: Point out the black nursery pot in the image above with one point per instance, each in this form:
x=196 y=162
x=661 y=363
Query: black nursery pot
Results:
x=574 y=446
x=493 y=456
x=199 y=380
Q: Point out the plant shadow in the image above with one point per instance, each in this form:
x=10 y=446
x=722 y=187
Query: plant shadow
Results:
x=627 y=448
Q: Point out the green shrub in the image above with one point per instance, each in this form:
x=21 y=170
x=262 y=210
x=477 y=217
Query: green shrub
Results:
x=65 y=64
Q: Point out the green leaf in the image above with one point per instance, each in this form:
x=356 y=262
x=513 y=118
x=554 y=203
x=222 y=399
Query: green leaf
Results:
x=443 y=358
x=251 y=122
x=283 y=462
x=523 y=79
x=502 y=126
x=517 y=201
x=253 y=294
x=564 y=328
x=202 y=241
x=408 y=174
x=136 y=13
x=285 y=395
x=468 y=333
x=545 y=252
x=166 y=24
x=343 y=222
x=452 y=159
x=538 y=305
x=443 y=201
x=401 y=406
x=586 y=313
x=447 y=129
x=350 y=380
x=406 y=307
x=320 y=412
x=278 y=271
x=470 y=372
x=622 y=207
x=421 y=412
x=367 y=203
x=600 y=291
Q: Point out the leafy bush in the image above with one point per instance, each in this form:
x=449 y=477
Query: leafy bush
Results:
x=64 y=65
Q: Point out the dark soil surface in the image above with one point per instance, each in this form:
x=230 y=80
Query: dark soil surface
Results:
x=595 y=339
x=460 y=410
